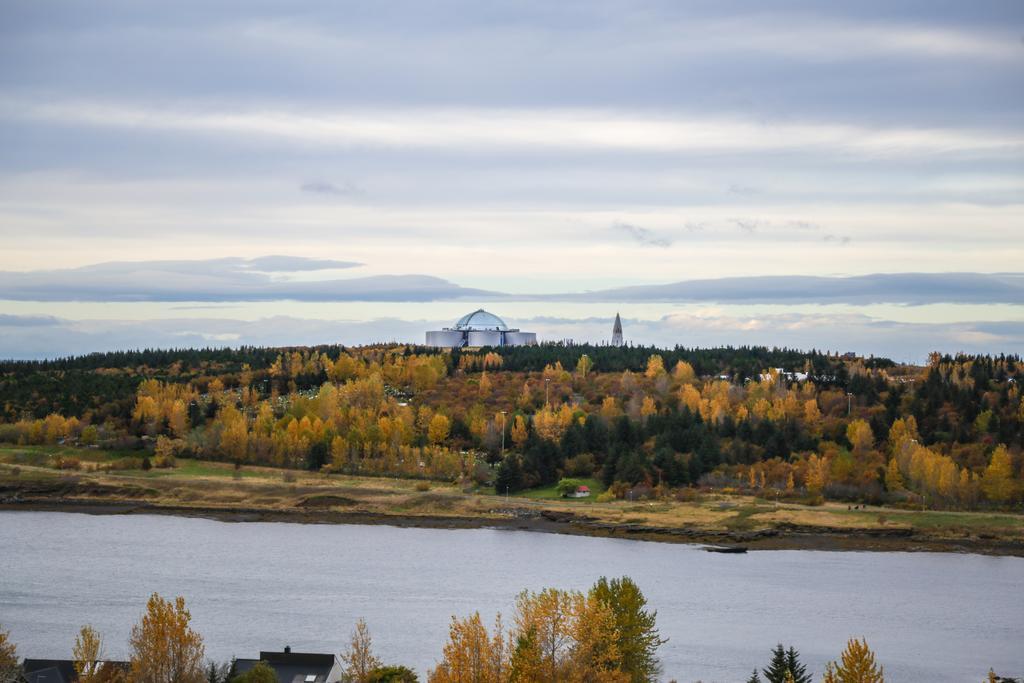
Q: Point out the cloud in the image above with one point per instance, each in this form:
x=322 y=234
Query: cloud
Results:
x=28 y=320
x=642 y=235
x=226 y=279
x=472 y=129
x=841 y=239
x=321 y=187
x=905 y=288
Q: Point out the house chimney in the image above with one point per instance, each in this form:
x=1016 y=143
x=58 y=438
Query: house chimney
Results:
x=287 y=649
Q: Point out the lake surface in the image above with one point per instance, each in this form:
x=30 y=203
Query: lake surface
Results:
x=252 y=586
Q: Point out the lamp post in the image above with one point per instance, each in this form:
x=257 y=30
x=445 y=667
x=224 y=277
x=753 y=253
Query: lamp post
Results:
x=849 y=403
x=503 y=413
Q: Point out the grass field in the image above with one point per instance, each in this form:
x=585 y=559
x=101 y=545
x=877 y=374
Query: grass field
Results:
x=551 y=492
x=214 y=485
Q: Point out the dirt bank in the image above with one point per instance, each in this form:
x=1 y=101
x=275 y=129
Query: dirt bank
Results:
x=313 y=503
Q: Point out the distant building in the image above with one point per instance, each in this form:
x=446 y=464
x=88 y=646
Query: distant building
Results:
x=479 y=328
x=295 y=667
x=580 y=492
x=617 y=331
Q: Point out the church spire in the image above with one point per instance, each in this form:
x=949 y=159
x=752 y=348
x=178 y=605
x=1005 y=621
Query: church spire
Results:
x=617 y=331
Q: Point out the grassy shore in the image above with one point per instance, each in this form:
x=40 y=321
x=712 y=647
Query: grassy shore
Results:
x=28 y=480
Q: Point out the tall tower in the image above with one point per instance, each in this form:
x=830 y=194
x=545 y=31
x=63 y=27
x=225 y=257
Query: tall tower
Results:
x=617 y=331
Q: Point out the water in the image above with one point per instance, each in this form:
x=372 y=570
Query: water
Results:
x=252 y=586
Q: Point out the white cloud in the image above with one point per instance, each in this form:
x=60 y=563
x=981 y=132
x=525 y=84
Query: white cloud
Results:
x=492 y=129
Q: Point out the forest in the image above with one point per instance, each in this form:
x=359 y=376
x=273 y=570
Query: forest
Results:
x=643 y=421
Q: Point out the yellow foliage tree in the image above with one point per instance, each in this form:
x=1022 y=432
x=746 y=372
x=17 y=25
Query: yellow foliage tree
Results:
x=857 y=665
x=860 y=436
x=893 y=478
x=164 y=648
x=87 y=654
x=9 y=667
x=648 y=408
x=583 y=366
x=520 y=432
x=473 y=655
x=655 y=367
x=997 y=481
x=439 y=428
x=359 y=658
x=683 y=373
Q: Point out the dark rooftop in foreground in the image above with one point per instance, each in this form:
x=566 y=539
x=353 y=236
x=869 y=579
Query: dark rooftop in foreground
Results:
x=296 y=667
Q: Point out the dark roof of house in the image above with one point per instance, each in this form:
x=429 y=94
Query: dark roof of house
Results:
x=292 y=667
x=55 y=670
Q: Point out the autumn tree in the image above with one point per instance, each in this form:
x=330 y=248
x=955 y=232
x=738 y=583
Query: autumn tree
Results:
x=565 y=636
x=10 y=670
x=857 y=665
x=359 y=658
x=437 y=432
x=164 y=649
x=87 y=654
x=655 y=367
x=997 y=481
x=859 y=434
x=583 y=366
x=472 y=654
x=636 y=635
x=893 y=478
x=520 y=431
x=683 y=373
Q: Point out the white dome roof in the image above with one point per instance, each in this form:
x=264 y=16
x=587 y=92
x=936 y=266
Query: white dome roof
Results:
x=480 y=320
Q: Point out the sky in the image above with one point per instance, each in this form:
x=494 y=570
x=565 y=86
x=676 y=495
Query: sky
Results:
x=841 y=176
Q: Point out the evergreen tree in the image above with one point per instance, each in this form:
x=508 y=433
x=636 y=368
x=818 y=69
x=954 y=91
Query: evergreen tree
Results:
x=784 y=666
x=509 y=477
x=754 y=678
x=798 y=670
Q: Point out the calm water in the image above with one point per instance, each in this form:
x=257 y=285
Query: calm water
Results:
x=929 y=617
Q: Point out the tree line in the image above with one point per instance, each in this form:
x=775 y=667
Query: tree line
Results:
x=947 y=435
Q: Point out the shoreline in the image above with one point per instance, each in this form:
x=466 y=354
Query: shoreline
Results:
x=779 y=537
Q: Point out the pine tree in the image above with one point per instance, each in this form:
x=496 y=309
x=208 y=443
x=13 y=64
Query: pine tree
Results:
x=798 y=670
x=754 y=678
x=777 y=668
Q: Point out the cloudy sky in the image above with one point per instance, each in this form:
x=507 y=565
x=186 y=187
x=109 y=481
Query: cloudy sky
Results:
x=271 y=172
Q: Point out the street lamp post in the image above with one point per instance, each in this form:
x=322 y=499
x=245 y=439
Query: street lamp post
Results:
x=849 y=403
x=503 y=413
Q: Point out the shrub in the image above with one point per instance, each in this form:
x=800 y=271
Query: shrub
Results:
x=68 y=464
x=146 y=464
x=422 y=486
x=9 y=433
x=580 y=466
x=687 y=495
x=164 y=461
x=288 y=476
x=125 y=464
x=392 y=674
x=606 y=497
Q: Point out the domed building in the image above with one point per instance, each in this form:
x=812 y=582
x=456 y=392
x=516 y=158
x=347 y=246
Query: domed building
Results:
x=479 y=328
